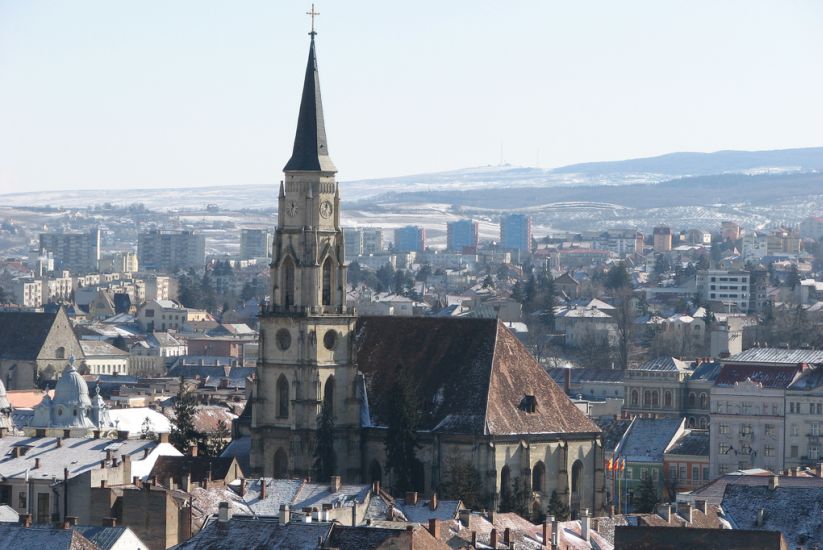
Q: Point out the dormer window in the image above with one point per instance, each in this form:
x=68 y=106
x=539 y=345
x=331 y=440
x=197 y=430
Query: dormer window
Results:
x=528 y=404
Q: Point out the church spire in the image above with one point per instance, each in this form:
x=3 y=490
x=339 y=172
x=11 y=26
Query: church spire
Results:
x=311 y=152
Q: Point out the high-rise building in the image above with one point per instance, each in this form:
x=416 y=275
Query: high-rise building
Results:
x=516 y=232
x=353 y=239
x=662 y=239
x=462 y=236
x=168 y=251
x=77 y=252
x=255 y=243
x=372 y=240
x=411 y=238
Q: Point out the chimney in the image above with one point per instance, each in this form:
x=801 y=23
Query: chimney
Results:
x=72 y=520
x=465 y=518
x=285 y=514
x=334 y=485
x=354 y=514
x=585 y=523
x=665 y=511
x=507 y=536
x=59 y=442
x=108 y=454
x=433 y=502
x=109 y=522
x=193 y=450
x=761 y=513
x=223 y=513
x=774 y=482
x=411 y=498
x=567 y=381
x=96 y=434
x=685 y=510
x=262 y=488
x=555 y=537
x=493 y=538
x=434 y=528
x=25 y=520
x=375 y=487
x=547 y=530
x=474 y=539
x=164 y=437
x=818 y=469
x=390 y=512
x=102 y=483
x=36 y=463
x=135 y=480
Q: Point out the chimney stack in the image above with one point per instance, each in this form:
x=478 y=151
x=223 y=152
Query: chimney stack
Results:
x=433 y=502
x=25 y=520
x=334 y=486
x=493 y=538
x=702 y=506
x=193 y=450
x=434 y=528
x=411 y=498
x=465 y=518
x=109 y=522
x=285 y=514
x=102 y=483
x=585 y=523
x=774 y=482
x=818 y=469
x=474 y=539
x=223 y=513
x=262 y=488
x=242 y=487
x=164 y=437
x=507 y=536
x=555 y=537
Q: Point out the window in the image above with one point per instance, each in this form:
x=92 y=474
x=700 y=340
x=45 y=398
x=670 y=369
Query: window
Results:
x=723 y=469
x=667 y=399
x=692 y=400
x=814 y=452
x=673 y=472
x=327 y=282
x=644 y=473
x=724 y=448
x=288 y=282
x=577 y=471
x=528 y=404
x=791 y=408
x=21 y=500
x=820 y=408
x=747 y=407
x=655 y=399
x=746 y=430
x=793 y=451
x=704 y=401
x=815 y=427
x=724 y=428
x=682 y=472
x=647 y=397
x=634 y=397
x=705 y=473
x=770 y=430
x=795 y=430
x=703 y=423
x=282 y=397
x=769 y=450
x=695 y=473
x=538 y=476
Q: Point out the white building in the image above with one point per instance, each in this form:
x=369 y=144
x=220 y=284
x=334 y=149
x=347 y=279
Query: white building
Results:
x=103 y=358
x=729 y=288
x=28 y=292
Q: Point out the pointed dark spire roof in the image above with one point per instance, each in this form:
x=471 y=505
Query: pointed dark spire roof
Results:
x=311 y=152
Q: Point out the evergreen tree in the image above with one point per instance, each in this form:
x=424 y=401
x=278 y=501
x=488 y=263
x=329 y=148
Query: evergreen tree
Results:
x=488 y=282
x=424 y=273
x=462 y=481
x=325 y=460
x=557 y=508
x=521 y=494
x=354 y=274
x=208 y=295
x=385 y=276
x=617 y=277
x=646 y=498
x=214 y=443
x=183 y=434
x=401 y=436
x=247 y=292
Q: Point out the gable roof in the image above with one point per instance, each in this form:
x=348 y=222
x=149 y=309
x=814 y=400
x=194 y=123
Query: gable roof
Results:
x=471 y=376
x=256 y=532
x=664 y=363
x=23 y=333
x=691 y=443
x=17 y=536
x=771 y=377
x=199 y=467
x=647 y=439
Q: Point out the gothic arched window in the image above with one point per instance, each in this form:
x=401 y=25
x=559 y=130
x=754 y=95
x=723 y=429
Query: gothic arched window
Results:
x=692 y=400
x=577 y=470
x=667 y=399
x=655 y=398
x=635 y=397
x=505 y=479
x=538 y=476
x=327 y=282
x=287 y=290
x=704 y=400
x=647 y=397
x=282 y=397
x=328 y=393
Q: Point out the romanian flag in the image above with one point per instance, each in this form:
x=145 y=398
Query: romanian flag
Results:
x=610 y=465
x=622 y=463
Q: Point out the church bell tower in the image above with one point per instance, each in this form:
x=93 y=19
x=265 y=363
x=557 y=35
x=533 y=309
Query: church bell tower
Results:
x=306 y=330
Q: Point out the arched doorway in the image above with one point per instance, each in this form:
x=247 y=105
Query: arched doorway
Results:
x=281 y=464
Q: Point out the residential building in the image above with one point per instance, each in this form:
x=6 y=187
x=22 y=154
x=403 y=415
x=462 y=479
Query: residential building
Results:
x=662 y=239
x=158 y=287
x=168 y=251
x=372 y=240
x=728 y=290
x=699 y=236
x=462 y=236
x=488 y=395
x=654 y=389
x=804 y=419
x=100 y=357
x=686 y=462
x=516 y=232
x=748 y=416
x=28 y=292
x=161 y=315
x=255 y=243
x=411 y=238
x=730 y=231
x=353 y=240
x=119 y=262
x=76 y=252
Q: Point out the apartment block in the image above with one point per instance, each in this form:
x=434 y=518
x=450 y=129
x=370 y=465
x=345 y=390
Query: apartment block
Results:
x=516 y=232
x=169 y=251
x=463 y=236
x=372 y=240
x=730 y=290
x=255 y=243
x=76 y=252
x=411 y=238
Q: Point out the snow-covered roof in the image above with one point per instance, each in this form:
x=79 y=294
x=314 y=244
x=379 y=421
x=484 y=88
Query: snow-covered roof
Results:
x=648 y=438
x=132 y=420
x=777 y=355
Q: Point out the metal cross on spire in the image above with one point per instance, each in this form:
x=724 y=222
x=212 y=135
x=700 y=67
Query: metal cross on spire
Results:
x=312 y=13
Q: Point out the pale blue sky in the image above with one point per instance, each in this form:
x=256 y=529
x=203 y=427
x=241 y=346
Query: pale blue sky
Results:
x=156 y=93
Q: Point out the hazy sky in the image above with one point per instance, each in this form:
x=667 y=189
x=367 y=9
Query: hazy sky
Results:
x=108 y=94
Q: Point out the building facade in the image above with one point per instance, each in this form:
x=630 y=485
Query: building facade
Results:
x=76 y=252
x=411 y=238
x=728 y=289
x=516 y=232
x=168 y=251
x=255 y=243
x=462 y=236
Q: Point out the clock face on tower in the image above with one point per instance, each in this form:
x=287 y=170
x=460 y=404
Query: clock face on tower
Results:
x=291 y=209
x=326 y=209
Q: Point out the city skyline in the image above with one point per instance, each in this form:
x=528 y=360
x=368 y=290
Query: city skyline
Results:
x=202 y=96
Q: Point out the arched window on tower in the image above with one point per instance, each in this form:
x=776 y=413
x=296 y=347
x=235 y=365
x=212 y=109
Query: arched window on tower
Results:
x=327 y=282
x=288 y=282
x=538 y=476
x=282 y=397
x=635 y=398
x=667 y=399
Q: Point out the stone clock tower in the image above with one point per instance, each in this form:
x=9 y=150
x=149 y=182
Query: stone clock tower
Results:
x=306 y=331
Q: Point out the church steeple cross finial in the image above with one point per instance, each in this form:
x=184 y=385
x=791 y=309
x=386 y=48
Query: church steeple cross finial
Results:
x=313 y=14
